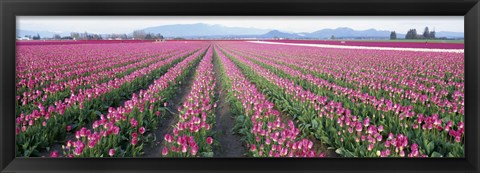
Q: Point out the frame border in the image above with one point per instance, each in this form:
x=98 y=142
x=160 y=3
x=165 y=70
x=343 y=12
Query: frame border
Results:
x=470 y=9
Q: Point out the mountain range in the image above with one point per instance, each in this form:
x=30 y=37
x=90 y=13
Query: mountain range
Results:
x=201 y=30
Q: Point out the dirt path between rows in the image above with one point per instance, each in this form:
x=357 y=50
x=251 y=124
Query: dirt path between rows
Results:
x=230 y=144
x=167 y=121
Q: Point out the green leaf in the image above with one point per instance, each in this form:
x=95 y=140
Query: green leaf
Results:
x=348 y=153
x=430 y=147
x=333 y=130
x=314 y=124
x=436 y=154
x=340 y=151
x=207 y=154
x=324 y=139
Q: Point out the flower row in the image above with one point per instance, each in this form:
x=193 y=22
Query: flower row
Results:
x=122 y=131
x=267 y=133
x=192 y=134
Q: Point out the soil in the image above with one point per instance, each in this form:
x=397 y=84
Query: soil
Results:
x=57 y=146
x=168 y=120
x=230 y=144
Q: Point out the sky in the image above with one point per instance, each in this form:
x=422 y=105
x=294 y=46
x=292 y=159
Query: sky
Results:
x=126 y=24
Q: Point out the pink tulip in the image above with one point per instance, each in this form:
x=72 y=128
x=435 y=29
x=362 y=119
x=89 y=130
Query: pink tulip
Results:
x=54 y=154
x=111 y=152
x=165 y=151
x=209 y=140
x=380 y=128
x=358 y=127
x=253 y=148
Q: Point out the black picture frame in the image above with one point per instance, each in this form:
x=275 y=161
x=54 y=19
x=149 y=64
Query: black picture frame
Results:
x=470 y=9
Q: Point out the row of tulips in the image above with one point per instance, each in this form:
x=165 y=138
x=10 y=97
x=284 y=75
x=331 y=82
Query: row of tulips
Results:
x=63 y=89
x=332 y=129
x=56 y=53
x=440 y=95
x=46 y=125
x=415 y=119
x=443 y=132
x=265 y=132
x=419 y=66
x=122 y=132
x=192 y=134
x=441 y=92
x=450 y=102
x=377 y=43
x=48 y=64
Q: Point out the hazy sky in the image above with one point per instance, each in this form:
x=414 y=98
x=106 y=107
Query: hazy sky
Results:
x=124 y=24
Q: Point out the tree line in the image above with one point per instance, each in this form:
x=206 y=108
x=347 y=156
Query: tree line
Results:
x=412 y=34
x=35 y=37
x=136 y=35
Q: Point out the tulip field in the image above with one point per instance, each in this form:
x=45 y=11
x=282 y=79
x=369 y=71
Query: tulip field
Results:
x=145 y=99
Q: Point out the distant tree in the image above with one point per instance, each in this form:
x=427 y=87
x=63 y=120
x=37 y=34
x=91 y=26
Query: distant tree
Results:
x=86 y=36
x=432 y=34
x=148 y=37
x=57 y=37
x=124 y=37
x=332 y=37
x=159 y=36
x=75 y=35
x=67 y=38
x=139 y=34
x=37 y=37
x=411 y=34
x=426 y=33
x=393 y=35
x=408 y=35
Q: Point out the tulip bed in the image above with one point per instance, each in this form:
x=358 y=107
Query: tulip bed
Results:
x=48 y=124
x=123 y=129
x=426 y=44
x=108 y=100
x=192 y=134
x=355 y=122
x=265 y=132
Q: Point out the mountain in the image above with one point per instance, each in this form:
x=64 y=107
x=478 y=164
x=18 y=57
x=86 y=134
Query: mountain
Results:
x=449 y=34
x=207 y=31
x=279 y=34
x=344 y=32
x=201 y=29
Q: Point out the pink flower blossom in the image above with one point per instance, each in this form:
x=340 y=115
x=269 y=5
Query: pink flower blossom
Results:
x=209 y=140
x=111 y=152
